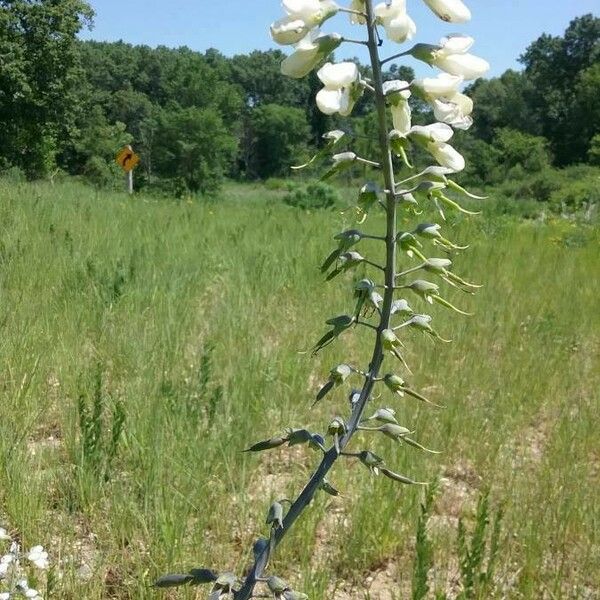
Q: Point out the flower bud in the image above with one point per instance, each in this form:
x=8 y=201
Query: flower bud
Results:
x=277 y=585
x=371 y=461
x=275 y=515
x=401 y=307
x=384 y=415
x=293 y=595
x=452 y=11
x=267 y=444
x=309 y=53
x=394 y=383
x=328 y=488
x=394 y=431
x=337 y=427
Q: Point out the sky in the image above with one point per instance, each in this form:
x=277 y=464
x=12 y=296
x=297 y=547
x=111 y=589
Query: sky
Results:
x=502 y=28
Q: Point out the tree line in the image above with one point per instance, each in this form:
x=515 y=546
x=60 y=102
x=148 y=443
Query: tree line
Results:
x=196 y=118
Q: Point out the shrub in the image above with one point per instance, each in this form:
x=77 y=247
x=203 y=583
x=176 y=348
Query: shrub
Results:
x=577 y=195
x=316 y=195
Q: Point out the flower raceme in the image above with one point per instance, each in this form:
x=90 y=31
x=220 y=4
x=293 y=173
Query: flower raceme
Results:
x=342 y=88
x=302 y=17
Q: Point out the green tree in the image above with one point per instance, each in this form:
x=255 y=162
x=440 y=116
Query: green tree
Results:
x=555 y=68
x=39 y=80
x=277 y=139
x=192 y=148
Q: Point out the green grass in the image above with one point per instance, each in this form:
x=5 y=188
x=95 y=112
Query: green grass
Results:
x=144 y=343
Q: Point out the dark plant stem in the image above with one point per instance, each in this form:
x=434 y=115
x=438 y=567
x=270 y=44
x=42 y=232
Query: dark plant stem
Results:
x=330 y=457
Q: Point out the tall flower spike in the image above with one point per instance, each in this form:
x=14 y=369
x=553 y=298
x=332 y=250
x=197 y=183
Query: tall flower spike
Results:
x=452 y=109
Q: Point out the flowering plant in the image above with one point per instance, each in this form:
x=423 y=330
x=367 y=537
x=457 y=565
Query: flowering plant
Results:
x=378 y=305
x=14 y=568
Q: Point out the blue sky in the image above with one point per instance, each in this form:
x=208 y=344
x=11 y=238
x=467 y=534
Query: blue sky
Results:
x=502 y=28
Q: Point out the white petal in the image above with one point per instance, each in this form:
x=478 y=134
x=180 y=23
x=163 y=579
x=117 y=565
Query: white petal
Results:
x=359 y=6
x=329 y=101
x=456 y=43
x=287 y=31
x=301 y=8
x=383 y=11
x=468 y=66
x=450 y=113
x=338 y=75
x=452 y=11
x=401 y=117
x=447 y=156
x=397 y=86
x=400 y=28
x=436 y=132
x=442 y=85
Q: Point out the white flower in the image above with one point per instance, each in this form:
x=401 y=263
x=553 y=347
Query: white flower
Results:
x=449 y=105
x=398 y=26
x=397 y=94
x=302 y=16
x=359 y=6
x=309 y=53
x=434 y=139
x=453 y=11
x=4 y=596
x=437 y=87
x=446 y=156
x=454 y=110
x=436 y=132
x=4 y=535
x=342 y=88
x=454 y=58
x=452 y=55
x=39 y=557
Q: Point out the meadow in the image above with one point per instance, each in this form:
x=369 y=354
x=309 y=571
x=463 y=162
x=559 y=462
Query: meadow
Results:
x=144 y=343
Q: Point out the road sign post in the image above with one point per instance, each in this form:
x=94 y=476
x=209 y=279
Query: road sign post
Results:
x=127 y=159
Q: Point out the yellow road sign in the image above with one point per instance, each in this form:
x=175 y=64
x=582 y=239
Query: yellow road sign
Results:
x=127 y=159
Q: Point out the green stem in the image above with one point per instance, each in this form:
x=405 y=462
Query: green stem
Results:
x=332 y=455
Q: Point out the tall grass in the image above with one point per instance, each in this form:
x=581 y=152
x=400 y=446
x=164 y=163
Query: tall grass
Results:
x=144 y=343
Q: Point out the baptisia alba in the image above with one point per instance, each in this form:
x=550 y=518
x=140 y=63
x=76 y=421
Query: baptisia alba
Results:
x=452 y=56
x=309 y=52
x=342 y=88
x=397 y=94
x=392 y=15
x=302 y=17
x=449 y=105
x=452 y=11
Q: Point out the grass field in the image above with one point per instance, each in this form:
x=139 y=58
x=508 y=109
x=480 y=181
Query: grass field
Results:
x=144 y=343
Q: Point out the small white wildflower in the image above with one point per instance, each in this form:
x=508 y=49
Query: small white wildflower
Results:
x=39 y=557
x=4 y=536
x=5 y=596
